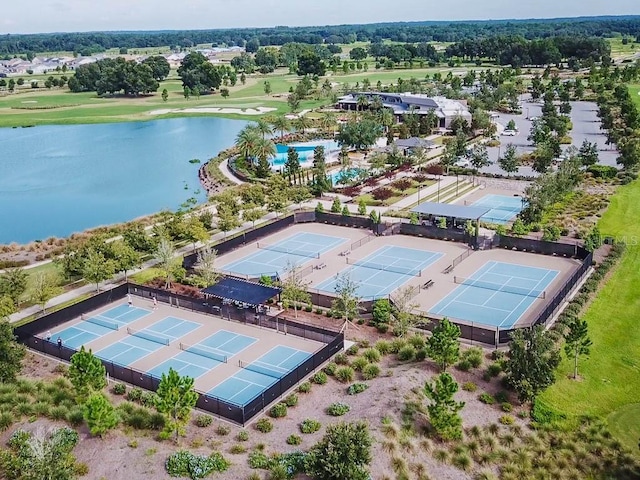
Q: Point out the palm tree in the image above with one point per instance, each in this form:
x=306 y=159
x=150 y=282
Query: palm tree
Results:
x=264 y=149
x=302 y=123
x=328 y=122
x=263 y=127
x=281 y=124
x=362 y=103
x=246 y=142
x=386 y=118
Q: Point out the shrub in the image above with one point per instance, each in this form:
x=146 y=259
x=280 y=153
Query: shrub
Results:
x=402 y=184
x=421 y=355
x=383 y=346
x=506 y=420
x=464 y=365
x=76 y=416
x=337 y=409
x=305 y=387
x=6 y=420
x=370 y=371
x=507 y=407
x=486 y=398
x=341 y=359
x=330 y=369
x=157 y=421
x=186 y=464
x=473 y=356
x=204 y=420
x=434 y=169
x=353 y=350
x=359 y=363
x=223 y=430
x=310 y=426
x=119 y=389
x=264 y=425
x=372 y=354
x=469 y=387
x=81 y=469
x=242 y=436
x=407 y=353
x=258 y=459
x=345 y=374
x=357 y=388
x=502 y=396
x=294 y=439
x=291 y=400
x=494 y=369
x=320 y=378
x=134 y=395
x=397 y=344
x=237 y=449
x=279 y=410
x=418 y=341
x=382 y=193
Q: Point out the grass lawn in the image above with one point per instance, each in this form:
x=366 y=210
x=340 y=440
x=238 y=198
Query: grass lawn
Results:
x=634 y=90
x=611 y=374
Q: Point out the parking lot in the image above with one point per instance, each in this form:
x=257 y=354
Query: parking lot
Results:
x=586 y=125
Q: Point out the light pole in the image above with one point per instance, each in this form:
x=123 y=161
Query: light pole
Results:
x=438 y=188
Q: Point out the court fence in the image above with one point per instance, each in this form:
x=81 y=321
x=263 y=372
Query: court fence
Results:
x=239 y=414
x=243 y=238
x=496 y=337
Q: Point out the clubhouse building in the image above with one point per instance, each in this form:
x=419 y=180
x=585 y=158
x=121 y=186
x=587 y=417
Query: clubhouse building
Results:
x=403 y=103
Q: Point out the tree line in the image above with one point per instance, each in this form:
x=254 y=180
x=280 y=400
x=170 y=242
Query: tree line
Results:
x=87 y=43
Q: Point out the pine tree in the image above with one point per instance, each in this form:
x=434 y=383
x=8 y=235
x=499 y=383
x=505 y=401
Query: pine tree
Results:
x=86 y=373
x=443 y=346
x=443 y=409
x=99 y=414
x=577 y=342
x=175 y=398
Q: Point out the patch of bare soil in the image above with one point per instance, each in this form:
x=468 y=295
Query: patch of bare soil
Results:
x=127 y=454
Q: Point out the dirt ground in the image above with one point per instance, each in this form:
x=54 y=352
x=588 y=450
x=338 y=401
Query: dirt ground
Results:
x=126 y=454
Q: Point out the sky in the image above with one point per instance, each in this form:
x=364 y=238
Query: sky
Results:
x=96 y=15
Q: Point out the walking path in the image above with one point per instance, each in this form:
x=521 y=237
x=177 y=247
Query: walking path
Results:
x=117 y=279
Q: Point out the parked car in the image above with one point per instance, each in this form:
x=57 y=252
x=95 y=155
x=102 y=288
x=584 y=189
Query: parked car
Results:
x=509 y=133
x=463 y=163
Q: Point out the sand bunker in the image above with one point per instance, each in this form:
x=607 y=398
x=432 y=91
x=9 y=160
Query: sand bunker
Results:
x=238 y=111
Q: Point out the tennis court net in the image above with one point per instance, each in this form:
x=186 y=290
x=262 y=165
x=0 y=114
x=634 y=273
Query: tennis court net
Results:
x=269 y=370
x=204 y=352
x=148 y=336
x=527 y=292
x=387 y=268
x=103 y=322
x=298 y=252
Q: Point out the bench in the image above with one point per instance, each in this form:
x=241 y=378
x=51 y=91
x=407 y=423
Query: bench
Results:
x=320 y=266
x=449 y=269
x=427 y=284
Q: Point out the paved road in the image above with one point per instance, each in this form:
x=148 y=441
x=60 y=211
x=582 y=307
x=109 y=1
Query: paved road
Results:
x=586 y=125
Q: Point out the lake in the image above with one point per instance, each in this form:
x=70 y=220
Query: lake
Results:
x=60 y=179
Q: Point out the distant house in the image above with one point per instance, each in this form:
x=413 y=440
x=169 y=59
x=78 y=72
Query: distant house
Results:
x=403 y=103
x=408 y=145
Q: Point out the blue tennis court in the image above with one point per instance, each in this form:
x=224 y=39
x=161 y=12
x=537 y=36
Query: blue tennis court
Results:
x=273 y=259
x=498 y=294
x=196 y=360
x=259 y=375
x=128 y=350
x=99 y=325
x=503 y=208
x=384 y=270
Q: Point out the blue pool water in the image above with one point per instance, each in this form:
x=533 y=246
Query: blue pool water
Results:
x=60 y=179
x=338 y=177
x=305 y=151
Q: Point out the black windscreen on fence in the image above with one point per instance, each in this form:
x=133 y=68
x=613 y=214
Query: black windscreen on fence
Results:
x=239 y=414
x=243 y=238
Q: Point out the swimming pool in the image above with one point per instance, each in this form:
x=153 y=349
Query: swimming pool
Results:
x=342 y=177
x=305 y=152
